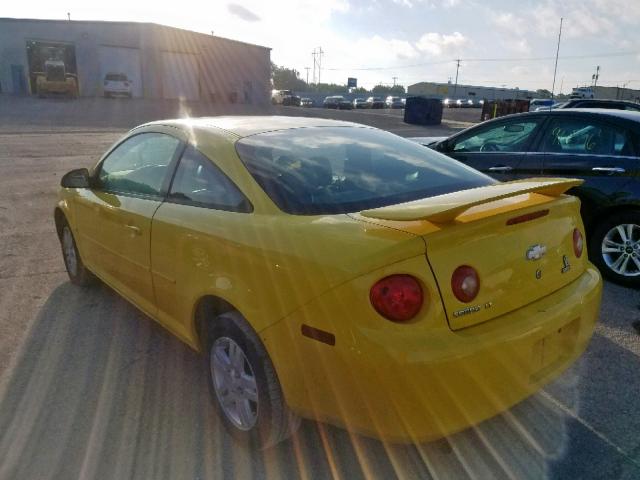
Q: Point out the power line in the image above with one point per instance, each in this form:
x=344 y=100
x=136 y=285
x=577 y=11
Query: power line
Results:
x=496 y=59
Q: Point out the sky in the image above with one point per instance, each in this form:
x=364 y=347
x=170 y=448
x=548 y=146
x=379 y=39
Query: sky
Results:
x=499 y=42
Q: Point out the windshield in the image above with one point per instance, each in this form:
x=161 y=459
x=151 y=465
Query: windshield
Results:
x=328 y=170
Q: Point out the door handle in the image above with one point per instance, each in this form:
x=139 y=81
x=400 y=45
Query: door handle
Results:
x=133 y=229
x=500 y=169
x=609 y=170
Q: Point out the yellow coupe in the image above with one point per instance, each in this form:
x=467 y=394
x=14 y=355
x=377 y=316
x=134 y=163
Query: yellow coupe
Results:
x=334 y=271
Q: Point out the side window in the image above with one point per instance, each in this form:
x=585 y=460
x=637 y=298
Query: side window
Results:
x=587 y=137
x=506 y=137
x=199 y=182
x=138 y=165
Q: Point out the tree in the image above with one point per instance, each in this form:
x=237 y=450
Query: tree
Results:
x=543 y=93
x=287 y=79
x=328 y=88
x=382 y=90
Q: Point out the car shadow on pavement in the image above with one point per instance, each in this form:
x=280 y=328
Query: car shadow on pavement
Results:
x=100 y=391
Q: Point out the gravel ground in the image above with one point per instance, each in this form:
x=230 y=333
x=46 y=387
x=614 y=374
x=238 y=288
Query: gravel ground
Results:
x=91 y=388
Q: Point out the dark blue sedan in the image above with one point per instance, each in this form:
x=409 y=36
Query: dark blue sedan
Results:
x=600 y=146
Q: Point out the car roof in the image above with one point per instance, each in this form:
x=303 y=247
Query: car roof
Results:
x=605 y=112
x=626 y=114
x=243 y=126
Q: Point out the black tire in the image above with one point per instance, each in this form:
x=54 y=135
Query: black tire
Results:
x=608 y=229
x=78 y=273
x=274 y=421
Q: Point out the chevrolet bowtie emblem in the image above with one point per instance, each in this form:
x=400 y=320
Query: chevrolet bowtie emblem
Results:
x=536 y=252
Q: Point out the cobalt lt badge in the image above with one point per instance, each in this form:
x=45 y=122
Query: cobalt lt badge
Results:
x=566 y=266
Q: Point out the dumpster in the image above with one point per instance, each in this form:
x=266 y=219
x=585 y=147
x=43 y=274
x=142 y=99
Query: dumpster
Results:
x=423 y=111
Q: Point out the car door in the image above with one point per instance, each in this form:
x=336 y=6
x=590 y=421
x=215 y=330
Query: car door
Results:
x=114 y=216
x=499 y=148
x=196 y=239
x=603 y=154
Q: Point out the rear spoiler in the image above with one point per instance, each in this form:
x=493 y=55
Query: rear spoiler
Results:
x=445 y=208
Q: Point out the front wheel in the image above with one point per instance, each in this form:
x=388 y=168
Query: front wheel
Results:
x=78 y=273
x=615 y=248
x=245 y=388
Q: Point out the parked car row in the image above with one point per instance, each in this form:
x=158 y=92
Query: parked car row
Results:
x=338 y=101
x=462 y=103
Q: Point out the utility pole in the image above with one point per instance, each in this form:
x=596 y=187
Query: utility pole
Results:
x=307 y=69
x=555 y=69
x=595 y=76
x=320 y=53
x=394 y=80
x=624 y=86
x=317 y=61
x=313 y=55
x=455 y=87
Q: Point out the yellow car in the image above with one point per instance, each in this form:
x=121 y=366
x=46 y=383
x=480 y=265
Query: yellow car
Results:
x=337 y=272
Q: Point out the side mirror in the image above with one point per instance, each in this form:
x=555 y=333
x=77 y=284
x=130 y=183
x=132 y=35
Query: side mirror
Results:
x=78 y=178
x=442 y=146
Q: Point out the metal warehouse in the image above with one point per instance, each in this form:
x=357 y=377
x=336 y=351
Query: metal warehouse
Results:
x=157 y=61
x=450 y=90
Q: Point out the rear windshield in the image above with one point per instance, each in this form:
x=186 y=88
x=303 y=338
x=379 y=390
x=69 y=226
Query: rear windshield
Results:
x=329 y=170
x=116 y=77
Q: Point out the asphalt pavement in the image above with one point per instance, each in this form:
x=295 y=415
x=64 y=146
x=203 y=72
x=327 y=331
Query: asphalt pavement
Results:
x=91 y=388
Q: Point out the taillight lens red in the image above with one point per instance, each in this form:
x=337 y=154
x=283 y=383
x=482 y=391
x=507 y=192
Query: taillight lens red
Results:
x=465 y=283
x=578 y=242
x=397 y=297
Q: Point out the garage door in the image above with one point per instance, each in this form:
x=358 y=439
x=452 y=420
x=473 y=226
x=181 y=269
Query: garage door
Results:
x=180 y=76
x=122 y=60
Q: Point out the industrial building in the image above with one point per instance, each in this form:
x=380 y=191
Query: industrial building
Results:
x=607 y=93
x=158 y=61
x=450 y=90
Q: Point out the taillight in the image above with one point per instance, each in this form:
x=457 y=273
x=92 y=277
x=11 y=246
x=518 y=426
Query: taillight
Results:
x=397 y=297
x=465 y=283
x=578 y=242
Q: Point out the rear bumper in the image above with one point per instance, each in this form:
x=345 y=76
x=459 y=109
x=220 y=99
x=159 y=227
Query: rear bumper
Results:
x=427 y=385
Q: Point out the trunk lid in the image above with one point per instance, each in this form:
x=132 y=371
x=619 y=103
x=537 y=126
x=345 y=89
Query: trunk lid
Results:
x=518 y=236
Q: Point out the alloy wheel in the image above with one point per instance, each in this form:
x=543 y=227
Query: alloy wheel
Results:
x=621 y=249
x=234 y=383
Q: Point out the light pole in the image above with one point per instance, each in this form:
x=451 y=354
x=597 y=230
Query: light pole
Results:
x=455 y=87
x=555 y=69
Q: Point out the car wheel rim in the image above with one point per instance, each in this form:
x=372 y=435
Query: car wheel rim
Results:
x=621 y=249
x=69 y=250
x=234 y=383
